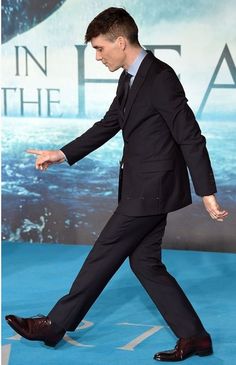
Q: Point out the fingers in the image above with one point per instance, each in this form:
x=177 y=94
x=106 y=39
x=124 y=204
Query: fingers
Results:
x=41 y=166
x=34 y=152
x=218 y=215
x=214 y=209
x=44 y=166
x=45 y=158
x=42 y=162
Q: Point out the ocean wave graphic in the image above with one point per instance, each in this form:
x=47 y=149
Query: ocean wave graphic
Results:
x=19 y=16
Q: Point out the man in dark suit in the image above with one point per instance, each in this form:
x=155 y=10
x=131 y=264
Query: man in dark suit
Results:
x=161 y=139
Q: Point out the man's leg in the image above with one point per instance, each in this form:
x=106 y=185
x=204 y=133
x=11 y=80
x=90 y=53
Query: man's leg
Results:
x=121 y=235
x=165 y=292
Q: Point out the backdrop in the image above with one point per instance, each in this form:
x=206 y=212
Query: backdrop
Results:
x=53 y=90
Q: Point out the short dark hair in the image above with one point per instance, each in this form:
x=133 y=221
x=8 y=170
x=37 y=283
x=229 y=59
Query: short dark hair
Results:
x=113 y=22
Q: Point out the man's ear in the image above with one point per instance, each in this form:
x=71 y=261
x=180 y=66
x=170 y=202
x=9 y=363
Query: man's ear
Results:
x=122 y=42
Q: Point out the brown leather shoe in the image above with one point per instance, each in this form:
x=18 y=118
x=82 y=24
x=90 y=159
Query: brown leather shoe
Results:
x=185 y=347
x=36 y=329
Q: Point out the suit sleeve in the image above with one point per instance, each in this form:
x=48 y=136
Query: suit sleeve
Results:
x=170 y=101
x=94 y=137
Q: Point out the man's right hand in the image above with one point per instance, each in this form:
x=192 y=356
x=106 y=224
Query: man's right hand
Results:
x=45 y=158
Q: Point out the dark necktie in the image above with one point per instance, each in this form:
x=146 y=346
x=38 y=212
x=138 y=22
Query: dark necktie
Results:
x=125 y=92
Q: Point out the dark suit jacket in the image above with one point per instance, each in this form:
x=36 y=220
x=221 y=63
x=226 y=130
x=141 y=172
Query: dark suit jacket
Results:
x=161 y=139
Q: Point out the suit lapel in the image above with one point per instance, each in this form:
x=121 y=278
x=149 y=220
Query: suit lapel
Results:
x=138 y=81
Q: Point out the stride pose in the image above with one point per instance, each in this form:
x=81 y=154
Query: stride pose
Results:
x=161 y=140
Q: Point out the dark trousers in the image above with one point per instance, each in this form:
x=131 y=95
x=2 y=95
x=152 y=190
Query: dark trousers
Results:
x=138 y=238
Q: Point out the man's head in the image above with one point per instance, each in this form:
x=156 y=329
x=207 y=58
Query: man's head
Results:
x=114 y=35
x=112 y=23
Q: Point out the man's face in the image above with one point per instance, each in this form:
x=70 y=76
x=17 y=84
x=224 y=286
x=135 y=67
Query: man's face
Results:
x=111 y=53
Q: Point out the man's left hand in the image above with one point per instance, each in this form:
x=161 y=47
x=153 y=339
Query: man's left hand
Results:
x=213 y=208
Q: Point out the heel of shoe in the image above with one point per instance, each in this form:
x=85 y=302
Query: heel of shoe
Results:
x=205 y=352
x=50 y=343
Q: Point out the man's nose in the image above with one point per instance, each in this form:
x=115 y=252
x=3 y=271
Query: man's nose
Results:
x=98 y=56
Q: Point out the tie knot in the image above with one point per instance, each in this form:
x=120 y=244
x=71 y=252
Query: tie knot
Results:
x=128 y=76
x=127 y=80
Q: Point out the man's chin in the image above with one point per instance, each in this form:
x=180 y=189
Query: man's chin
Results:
x=113 y=69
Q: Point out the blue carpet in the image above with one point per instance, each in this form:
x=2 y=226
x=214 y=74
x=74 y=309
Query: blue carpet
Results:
x=123 y=327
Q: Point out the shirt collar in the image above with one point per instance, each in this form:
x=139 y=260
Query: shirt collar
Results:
x=133 y=69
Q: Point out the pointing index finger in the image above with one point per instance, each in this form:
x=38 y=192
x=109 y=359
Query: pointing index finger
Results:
x=34 y=152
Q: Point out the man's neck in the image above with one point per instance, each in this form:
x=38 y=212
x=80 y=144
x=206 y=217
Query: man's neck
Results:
x=131 y=55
